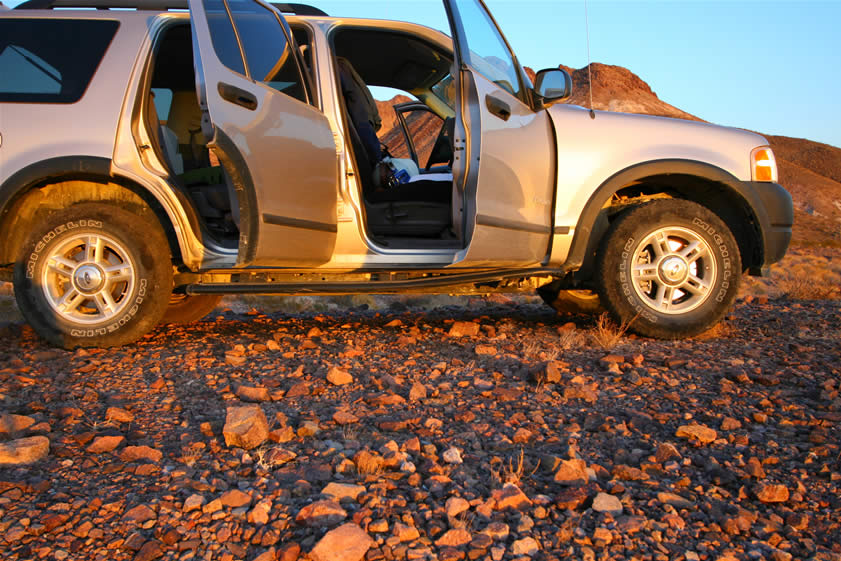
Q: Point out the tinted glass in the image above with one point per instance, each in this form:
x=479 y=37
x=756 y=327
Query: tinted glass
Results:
x=224 y=40
x=50 y=61
x=487 y=51
x=269 y=54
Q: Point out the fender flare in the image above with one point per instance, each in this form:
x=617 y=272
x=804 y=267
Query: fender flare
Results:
x=584 y=241
x=91 y=168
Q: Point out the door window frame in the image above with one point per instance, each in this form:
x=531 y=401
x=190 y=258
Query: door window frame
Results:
x=290 y=39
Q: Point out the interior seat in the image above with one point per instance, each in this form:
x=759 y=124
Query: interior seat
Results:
x=420 y=208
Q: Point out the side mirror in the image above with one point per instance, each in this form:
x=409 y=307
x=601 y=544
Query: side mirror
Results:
x=551 y=86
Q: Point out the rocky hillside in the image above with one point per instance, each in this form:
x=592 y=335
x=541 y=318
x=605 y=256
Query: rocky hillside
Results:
x=810 y=170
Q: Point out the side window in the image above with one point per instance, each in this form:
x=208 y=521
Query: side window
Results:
x=486 y=49
x=50 y=61
x=163 y=102
x=224 y=39
x=268 y=52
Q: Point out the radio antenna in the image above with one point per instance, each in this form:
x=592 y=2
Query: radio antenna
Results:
x=589 y=64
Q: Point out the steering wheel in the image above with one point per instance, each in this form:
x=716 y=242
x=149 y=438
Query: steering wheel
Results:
x=444 y=148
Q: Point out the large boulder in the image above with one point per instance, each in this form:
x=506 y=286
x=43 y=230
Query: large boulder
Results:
x=348 y=542
x=24 y=451
x=246 y=427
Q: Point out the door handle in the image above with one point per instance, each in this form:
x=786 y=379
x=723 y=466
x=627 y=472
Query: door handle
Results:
x=237 y=96
x=498 y=107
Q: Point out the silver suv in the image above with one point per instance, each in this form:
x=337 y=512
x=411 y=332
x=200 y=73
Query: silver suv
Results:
x=154 y=159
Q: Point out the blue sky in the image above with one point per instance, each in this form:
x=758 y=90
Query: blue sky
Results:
x=772 y=66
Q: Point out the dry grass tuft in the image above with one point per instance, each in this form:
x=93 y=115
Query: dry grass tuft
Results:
x=515 y=469
x=807 y=288
x=607 y=334
x=368 y=463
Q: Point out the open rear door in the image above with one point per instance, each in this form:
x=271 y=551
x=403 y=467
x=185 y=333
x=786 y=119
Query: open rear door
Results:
x=509 y=150
x=278 y=148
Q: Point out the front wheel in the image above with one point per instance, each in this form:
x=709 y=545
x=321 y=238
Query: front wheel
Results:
x=94 y=275
x=669 y=268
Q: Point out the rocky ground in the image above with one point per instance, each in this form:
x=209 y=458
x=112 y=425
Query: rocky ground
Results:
x=486 y=431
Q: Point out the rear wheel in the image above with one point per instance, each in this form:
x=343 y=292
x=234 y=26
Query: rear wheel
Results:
x=670 y=268
x=188 y=308
x=94 y=275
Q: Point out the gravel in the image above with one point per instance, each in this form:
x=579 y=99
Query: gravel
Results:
x=488 y=431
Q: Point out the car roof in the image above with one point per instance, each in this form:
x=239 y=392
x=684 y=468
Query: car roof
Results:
x=152 y=5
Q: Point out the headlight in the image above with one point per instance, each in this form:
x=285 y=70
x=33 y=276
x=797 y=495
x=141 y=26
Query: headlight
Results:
x=763 y=165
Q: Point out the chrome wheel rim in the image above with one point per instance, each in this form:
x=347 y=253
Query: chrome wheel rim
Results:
x=88 y=278
x=673 y=270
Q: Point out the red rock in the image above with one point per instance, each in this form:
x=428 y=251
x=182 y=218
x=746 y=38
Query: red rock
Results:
x=628 y=473
x=118 y=415
x=103 y=444
x=342 y=417
x=320 y=514
x=522 y=436
x=290 y=552
x=405 y=533
x=417 y=392
x=253 y=394
x=348 y=542
x=339 y=377
x=666 y=452
x=193 y=502
x=510 y=496
x=487 y=350
x=456 y=537
x=269 y=555
x=696 y=432
x=607 y=503
x=729 y=423
x=245 y=427
x=235 y=498
x=770 y=493
x=464 y=329
x=259 y=515
x=140 y=514
x=151 y=550
x=12 y=426
x=339 y=491
x=455 y=506
x=24 y=451
x=526 y=546
x=298 y=390
x=572 y=472
x=136 y=453
x=572 y=498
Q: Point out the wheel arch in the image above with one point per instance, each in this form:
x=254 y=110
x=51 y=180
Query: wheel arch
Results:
x=60 y=182
x=734 y=201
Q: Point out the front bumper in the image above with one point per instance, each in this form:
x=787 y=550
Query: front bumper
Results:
x=775 y=212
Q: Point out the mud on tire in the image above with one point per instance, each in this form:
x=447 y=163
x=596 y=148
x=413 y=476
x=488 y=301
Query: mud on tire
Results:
x=94 y=275
x=670 y=267
x=189 y=308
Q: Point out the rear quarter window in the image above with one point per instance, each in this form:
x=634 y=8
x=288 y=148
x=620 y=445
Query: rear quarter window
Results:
x=50 y=61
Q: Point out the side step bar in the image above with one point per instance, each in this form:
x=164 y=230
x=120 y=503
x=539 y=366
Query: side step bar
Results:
x=369 y=287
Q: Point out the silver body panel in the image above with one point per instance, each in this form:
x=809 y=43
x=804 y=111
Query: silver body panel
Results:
x=522 y=173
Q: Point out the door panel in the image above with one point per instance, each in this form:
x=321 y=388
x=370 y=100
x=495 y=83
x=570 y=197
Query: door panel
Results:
x=509 y=198
x=256 y=107
x=516 y=181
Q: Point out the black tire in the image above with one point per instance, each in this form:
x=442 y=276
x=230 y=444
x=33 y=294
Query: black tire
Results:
x=670 y=268
x=94 y=275
x=573 y=301
x=189 y=308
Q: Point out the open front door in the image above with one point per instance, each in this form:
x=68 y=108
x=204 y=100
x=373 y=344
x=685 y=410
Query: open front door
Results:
x=509 y=151
x=277 y=148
